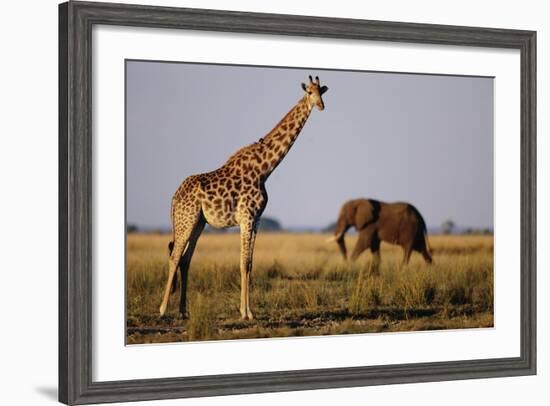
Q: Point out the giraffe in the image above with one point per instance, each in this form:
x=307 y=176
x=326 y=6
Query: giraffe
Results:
x=233 y=195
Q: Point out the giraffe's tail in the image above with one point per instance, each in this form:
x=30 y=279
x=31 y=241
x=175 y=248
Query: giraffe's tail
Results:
x=174 y=286
x=171 y=243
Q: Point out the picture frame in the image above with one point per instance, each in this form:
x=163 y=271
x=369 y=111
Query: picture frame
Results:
x=76 y=20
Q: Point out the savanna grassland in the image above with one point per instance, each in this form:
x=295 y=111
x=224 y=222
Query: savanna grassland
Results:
x=302 y=287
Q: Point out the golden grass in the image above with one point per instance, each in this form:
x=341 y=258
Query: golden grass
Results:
x=301 y=286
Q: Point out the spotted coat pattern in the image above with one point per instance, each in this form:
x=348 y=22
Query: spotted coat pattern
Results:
x=233 y=194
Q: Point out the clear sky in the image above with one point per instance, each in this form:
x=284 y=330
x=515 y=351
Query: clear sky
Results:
x=425 y=139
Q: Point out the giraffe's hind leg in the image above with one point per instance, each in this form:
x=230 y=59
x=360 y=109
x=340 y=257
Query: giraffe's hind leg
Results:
x=183 y=228
x=179 y=246
x=186 y=261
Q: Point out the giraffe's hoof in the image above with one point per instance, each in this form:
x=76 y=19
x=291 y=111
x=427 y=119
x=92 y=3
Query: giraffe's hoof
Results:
x=247 y=315
x=183 y=316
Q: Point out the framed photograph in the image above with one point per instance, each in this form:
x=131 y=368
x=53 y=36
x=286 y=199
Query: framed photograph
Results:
x=259 y=202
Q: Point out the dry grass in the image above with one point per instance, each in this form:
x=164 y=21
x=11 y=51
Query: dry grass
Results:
x=301 y=286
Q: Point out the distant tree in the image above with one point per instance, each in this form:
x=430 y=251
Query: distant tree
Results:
x=269 y=224
x=448 y=226
x=132 y=228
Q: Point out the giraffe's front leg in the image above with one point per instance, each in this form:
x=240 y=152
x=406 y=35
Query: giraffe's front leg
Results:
x=248 y=235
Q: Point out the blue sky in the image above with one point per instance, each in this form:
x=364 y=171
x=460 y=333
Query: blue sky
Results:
x=425 y=139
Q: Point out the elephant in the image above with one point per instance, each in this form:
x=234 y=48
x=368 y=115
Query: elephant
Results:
x=396 y=223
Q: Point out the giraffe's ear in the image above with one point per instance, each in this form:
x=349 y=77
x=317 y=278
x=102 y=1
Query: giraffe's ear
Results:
x=304 y=87
x=323 y=89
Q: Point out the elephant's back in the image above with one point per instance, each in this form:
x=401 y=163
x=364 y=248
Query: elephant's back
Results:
x=396 y=210
x=399 y=222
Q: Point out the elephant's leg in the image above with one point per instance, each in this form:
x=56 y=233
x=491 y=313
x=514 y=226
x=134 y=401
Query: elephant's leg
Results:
x=407 y=250
x=375 y=249
x=342 y=246
x=185 y=263
x=363 y=243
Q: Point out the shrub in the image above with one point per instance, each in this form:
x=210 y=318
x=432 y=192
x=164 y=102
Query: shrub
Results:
x=202 y=318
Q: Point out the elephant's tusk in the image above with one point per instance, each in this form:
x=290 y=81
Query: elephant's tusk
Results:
x=334 y=238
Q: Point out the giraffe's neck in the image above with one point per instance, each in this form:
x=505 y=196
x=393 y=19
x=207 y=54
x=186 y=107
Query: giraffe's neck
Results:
x=278 y=141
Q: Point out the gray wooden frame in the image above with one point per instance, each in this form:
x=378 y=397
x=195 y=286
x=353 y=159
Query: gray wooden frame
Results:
x=76 y=20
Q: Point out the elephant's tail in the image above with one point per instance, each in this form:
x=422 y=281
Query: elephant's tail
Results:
x=427 y=254
x=426 y=249
x=427 y=243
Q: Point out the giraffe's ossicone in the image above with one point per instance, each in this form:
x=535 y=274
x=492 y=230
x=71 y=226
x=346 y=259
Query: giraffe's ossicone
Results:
x=233 y=194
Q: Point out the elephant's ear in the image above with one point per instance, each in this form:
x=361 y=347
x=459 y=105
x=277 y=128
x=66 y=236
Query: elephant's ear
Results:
x=365 y=213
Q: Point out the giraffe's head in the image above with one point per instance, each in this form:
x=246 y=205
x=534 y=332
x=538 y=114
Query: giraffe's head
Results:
x=315 y=92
